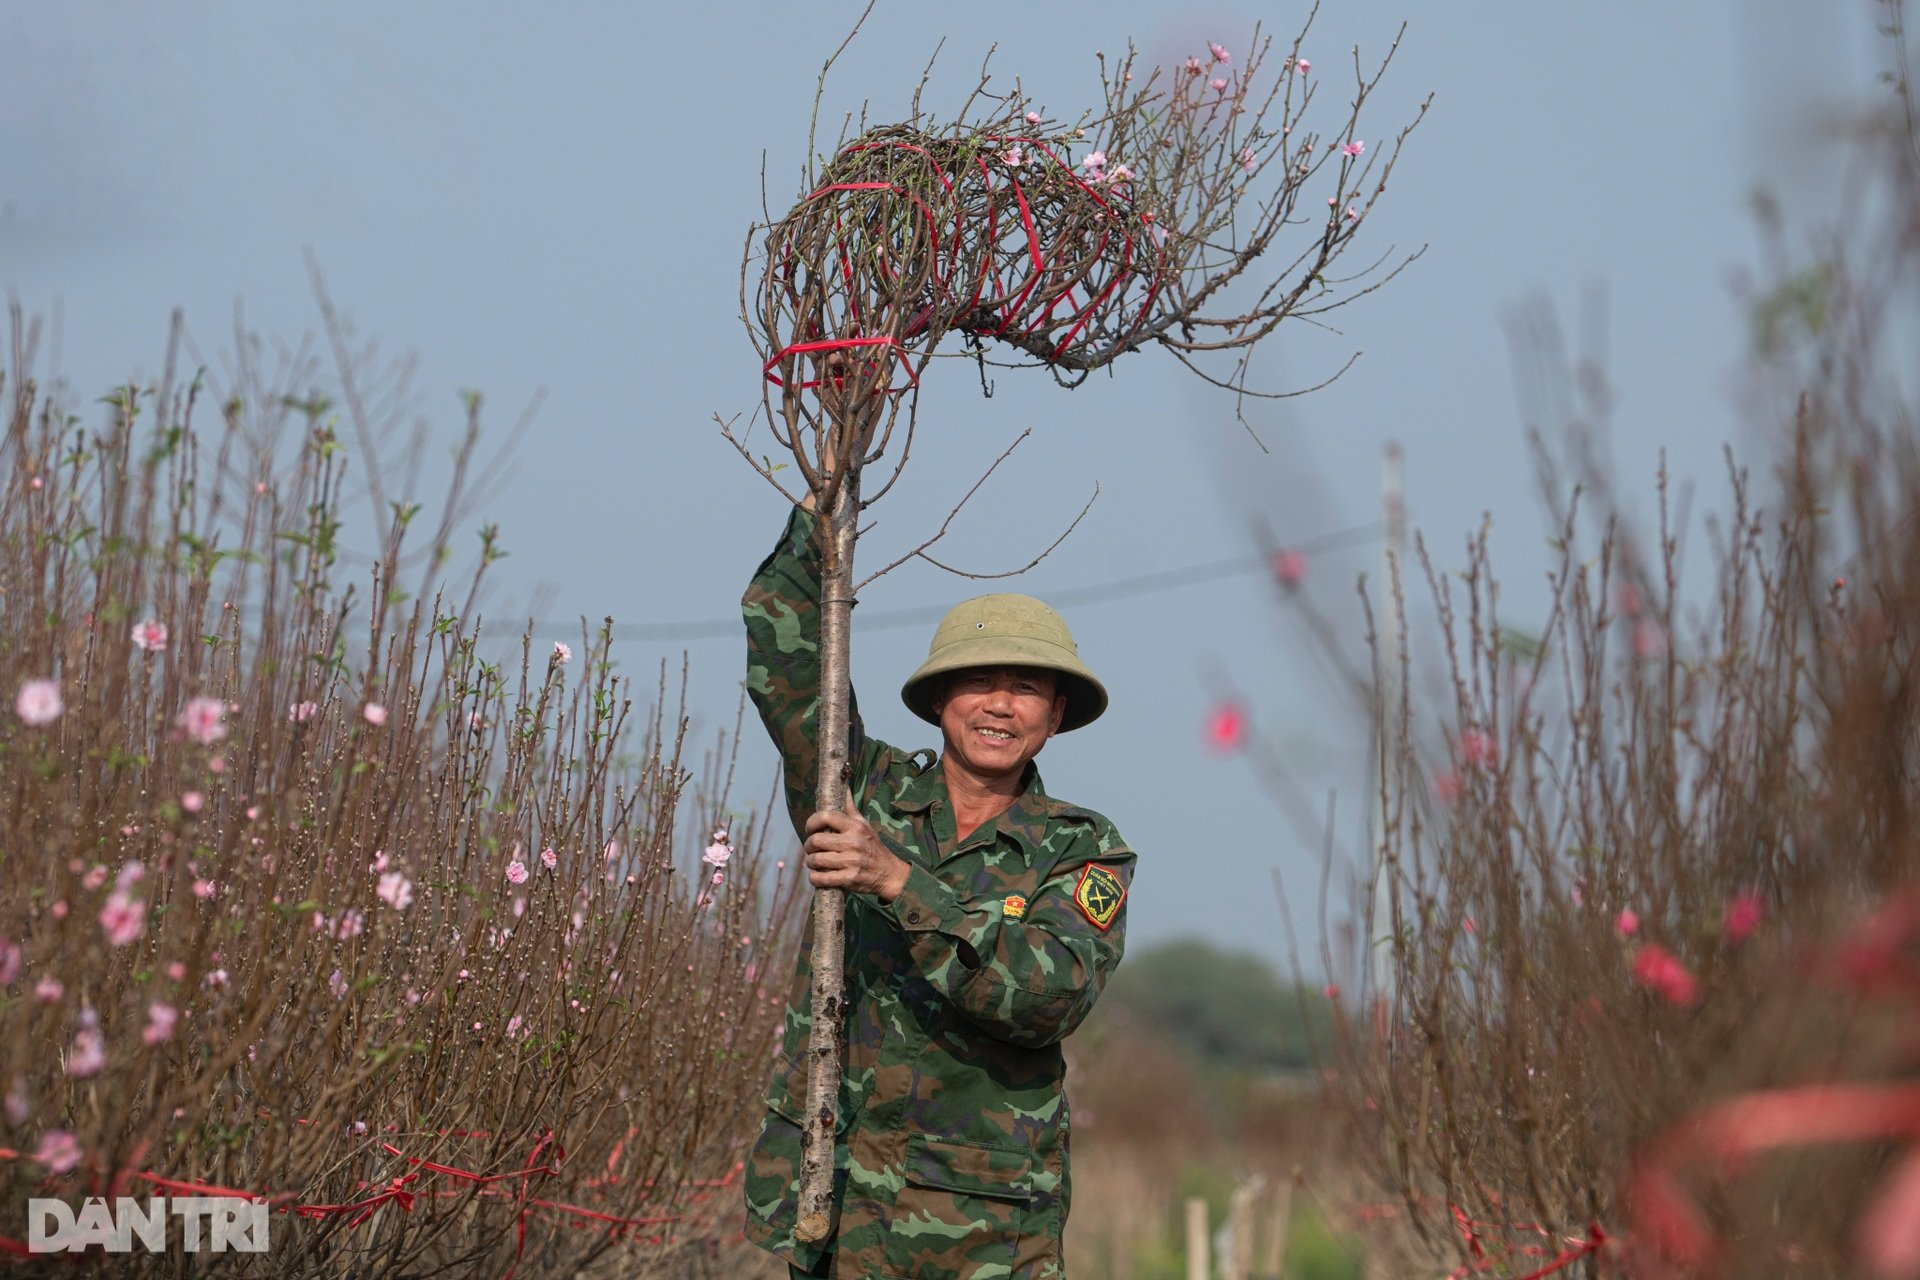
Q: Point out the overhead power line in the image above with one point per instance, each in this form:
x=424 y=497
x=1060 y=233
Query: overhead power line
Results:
x=1099 y=593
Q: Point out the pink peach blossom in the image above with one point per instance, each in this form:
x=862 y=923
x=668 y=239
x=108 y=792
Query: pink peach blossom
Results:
x=375 y=713
x=562 y=654
x=89 y=1052
x=1354 y=148
x=204 y=720
x=48 y=990
x=301 y=712
x=150 y=635
x=1302 y=66
x=549 y=859
x=396 y=890
x=517 y=872
x=1033 y=117
x=160 y=1019
x=59 y=1151
x=38 y=702
x=1227 y=727
x=192 y=801
x=1743 y=916
x=1627 y=923
x=1217 y=85
x=1656 y=969
x=1478 y=747
x=1219 y=54
x=1289 y=567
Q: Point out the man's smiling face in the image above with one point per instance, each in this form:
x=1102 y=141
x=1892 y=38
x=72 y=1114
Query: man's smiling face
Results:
x=995 y=719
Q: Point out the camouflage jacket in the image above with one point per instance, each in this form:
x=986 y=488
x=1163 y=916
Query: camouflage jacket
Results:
x=951 y=1155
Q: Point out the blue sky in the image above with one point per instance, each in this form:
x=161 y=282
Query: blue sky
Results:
x=555 y=198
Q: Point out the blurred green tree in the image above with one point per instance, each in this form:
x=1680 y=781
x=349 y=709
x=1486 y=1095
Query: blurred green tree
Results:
x=1227 y=1008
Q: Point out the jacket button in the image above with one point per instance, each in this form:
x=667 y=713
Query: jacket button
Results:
x=913 y=917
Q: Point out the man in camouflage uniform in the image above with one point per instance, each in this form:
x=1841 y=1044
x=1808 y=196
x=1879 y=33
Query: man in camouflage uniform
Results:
x=983 y=918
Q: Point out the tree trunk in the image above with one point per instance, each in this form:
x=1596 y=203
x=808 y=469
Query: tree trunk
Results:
x=828 y=1012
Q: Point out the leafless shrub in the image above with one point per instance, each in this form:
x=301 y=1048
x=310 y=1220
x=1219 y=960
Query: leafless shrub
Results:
x=1653 y=941
x=312 y=893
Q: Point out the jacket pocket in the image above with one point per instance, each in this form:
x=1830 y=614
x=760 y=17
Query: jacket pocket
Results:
x=962 y=1210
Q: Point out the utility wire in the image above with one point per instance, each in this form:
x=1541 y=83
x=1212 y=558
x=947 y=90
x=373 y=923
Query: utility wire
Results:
x=1101 y=593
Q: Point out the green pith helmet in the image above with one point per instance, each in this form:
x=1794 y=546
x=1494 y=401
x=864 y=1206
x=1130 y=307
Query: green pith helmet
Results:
x=1006 y=631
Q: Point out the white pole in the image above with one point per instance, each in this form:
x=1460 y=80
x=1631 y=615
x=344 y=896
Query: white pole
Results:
x=1386 y=722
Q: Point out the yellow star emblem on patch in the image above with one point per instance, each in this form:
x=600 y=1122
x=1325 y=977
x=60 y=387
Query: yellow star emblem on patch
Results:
x=1099 y=895
x=1014 y=907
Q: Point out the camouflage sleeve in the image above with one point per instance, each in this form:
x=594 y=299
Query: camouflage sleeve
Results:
x=1026 y=978
x=782 y=612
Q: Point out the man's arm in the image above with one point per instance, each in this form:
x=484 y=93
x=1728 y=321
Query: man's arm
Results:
x=781 y=609
x=1027 y=977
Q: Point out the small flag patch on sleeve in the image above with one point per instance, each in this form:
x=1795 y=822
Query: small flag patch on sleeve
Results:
x=1014 y=907
x=1099 y=895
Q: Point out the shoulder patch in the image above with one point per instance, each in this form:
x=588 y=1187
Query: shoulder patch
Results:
x=1099 y=895
x=1014 y=907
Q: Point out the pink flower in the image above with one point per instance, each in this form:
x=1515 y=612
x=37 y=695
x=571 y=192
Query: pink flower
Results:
x=1626 y=600
x=38 y=702
x=301 y=712
x=1353 y=214
x=1226 y=727
x=204 y=720
x=352 y=920
x=1217 y=85
x=1469 y=925
x=517 y=872
x=160 y=1019
x=1096 y=160
x=192 y=801
x=549 y=859
x=513 y=1026
x=562 y=654
x=719 y=878
x=17 y=1107
x=1289 y=568
x=9 y=963
x=1033 y=117
x=1219 y=54
x=1655 y=968
x=1354 y=148
x=1302 y=66
x=375 y=713
x=718 y=852
x=124 y=918
x=150 y=635
x=337 y=983
x=94 y=878
x=204 y=889
x=380 y=861
x=1627 y=923
x=1742 y=917
x=1247 y=159
x=89 y=1052
x=48 y=990
x=1194 y=66
x=1478 y=748
x=1014 y=156
x=1649 y=640
x=59 y=1150
x=1120 y=174
x=396 y=890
